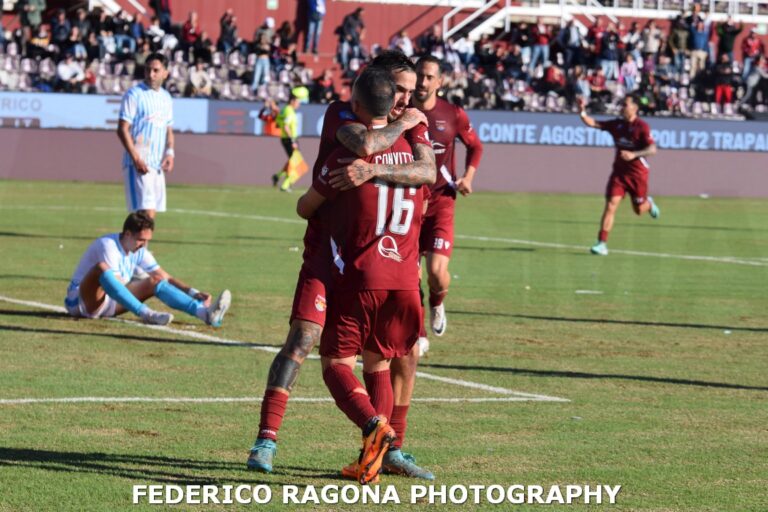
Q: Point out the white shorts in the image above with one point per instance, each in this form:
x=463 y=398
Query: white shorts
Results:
x=144 y=191
x=106 y=310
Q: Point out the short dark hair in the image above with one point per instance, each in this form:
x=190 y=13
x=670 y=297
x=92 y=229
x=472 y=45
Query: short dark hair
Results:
x=429 y=59
x=393 y=61
x=375 y=90
x=138 y=221
x=158 y=57
x=634 y=98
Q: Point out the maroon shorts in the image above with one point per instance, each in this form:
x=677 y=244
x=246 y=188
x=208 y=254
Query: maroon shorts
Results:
x=309 y=299
x=382 y=321
x=436 y=234
x=635 y=184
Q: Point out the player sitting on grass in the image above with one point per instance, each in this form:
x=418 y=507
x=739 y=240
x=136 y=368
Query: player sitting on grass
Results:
x=98 y=288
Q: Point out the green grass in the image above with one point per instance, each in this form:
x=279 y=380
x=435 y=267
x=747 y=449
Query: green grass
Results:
x=665 y=369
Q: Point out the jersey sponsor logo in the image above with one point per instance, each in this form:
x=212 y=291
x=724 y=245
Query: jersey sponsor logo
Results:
x=438 y=148
x=388 y=249
x=320 y=303
x=440 y=125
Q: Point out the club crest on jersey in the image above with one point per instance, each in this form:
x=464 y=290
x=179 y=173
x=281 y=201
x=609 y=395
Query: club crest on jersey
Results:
x=320 y=303
x=440 y=125
x=388 y=249
x=324 y=170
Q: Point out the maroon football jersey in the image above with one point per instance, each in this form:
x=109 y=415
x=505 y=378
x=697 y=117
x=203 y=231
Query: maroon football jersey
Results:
x=375 y=227
x=446 y=123
x=632 y=136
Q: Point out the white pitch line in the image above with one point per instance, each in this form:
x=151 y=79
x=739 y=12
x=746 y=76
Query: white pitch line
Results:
x=274 y=350
x=247 y=399
x=755 y=262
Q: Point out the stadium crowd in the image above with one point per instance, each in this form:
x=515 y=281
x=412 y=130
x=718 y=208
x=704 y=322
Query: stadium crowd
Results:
x=690 y=67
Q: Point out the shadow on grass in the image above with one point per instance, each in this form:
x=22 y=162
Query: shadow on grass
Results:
x=35 y=278
x=52 y=315
x=583 y=375
x=130 y=337
x=613 y=322
x=135 y=467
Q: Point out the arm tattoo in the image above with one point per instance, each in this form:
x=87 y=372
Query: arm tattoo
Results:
x=420 y=172
x=650 y=150
x=358 y=139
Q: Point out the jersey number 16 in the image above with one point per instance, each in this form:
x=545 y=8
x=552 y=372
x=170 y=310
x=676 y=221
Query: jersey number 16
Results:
x=402 y=209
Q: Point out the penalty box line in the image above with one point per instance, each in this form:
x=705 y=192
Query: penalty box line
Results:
x=519 y=395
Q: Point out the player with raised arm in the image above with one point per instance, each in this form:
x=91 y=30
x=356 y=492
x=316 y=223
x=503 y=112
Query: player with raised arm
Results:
x=375 y=309
x=145 y=129
x=98 y=287
x=340 y=127
x=633 y=140
x=446 y=123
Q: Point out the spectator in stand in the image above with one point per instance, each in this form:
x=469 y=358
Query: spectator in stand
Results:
x=137 y=30
x=227 y=33
x=633 y=43
x=38 y=45
x=571 y=41
x=204 y=48
x=162 y=10
x=595 y=41
x=509 y=99
x=315 y=14
x=190 y=31
x=74 y=44
x=521 y=36
x=464 y=50
x=124 y=42
x=699 y=47
x=756 y=82
x=553 y=81
x=609 y=53
x=60 y=28
x=629 y=72
x=432 y=42
x=727 y=33
x=665 y=72
x=262 y=43
x=678 y=43
x=92 y=47
x=540 y=51
x=651 y=39
x=724 y=80
x=323 y=90
x=751 y=48
x=284 y=48
x=476 y=97
x=69 y=74
x=145 y=50
x=105 y=28
x=82 y=23
x=200 y=85
x=598 y=89
x=31 y=12
x=513 y=64
x=350 y=36
x=578 y=86
x=155 y=34
x=403 y=43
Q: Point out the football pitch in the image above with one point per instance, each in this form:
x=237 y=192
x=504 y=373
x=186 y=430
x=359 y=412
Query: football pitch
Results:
x=645 y=369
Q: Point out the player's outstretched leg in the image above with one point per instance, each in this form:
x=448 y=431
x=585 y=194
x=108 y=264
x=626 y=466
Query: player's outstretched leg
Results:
x=177 y=299
x=112 y=286
x=655 y=211
x=283 y=373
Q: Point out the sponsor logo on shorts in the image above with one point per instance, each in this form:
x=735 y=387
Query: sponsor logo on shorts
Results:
x=320 y=303
x=388 y=249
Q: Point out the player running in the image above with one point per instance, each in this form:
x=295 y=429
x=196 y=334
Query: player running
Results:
x=145 y=129
x=98 y=287
x=633 y=140
x=446 y=123
x=340 y=126
x=375 y=309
